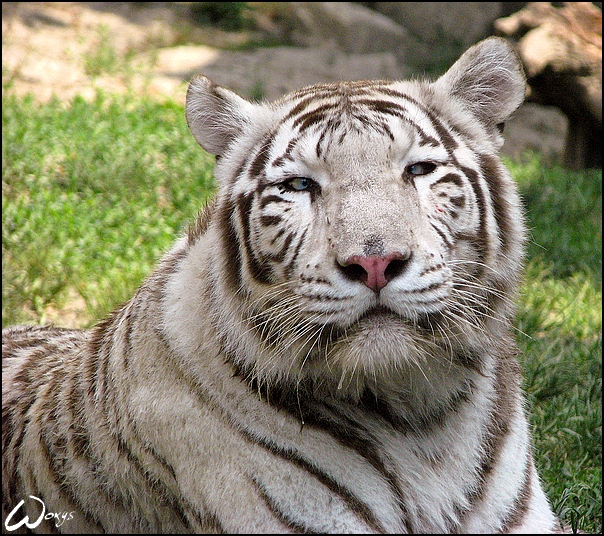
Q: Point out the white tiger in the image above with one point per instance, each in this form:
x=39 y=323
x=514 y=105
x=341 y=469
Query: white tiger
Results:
x=328 y=350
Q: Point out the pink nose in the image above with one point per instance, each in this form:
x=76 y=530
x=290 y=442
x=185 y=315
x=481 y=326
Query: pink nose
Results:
x=375 y=272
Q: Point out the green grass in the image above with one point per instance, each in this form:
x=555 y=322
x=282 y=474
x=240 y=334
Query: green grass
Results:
x=92 y=195
x=94 y=192
x=561 y=314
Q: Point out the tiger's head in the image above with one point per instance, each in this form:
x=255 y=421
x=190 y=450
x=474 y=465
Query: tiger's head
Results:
x=363 y=227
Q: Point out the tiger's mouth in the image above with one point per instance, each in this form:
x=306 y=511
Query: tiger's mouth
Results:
x=373 y=319
x=381 y=316
x=379 y=313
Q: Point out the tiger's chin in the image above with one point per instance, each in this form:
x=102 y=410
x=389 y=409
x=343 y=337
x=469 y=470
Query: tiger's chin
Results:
x=378 y=344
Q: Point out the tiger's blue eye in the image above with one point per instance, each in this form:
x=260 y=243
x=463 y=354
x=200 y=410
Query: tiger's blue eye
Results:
x=299 y=183
x=420 y=168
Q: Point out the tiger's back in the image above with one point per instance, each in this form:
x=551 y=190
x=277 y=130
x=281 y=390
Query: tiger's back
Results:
x=329 y=349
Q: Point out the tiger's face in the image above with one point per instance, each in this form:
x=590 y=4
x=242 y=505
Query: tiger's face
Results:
x=346 y=220
x=364 y=219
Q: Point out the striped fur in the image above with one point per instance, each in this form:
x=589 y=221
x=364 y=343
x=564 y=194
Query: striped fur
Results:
x=328 y=350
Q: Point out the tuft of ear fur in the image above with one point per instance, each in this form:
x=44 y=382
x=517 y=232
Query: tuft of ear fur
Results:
x=488 y=79
x=215 y=115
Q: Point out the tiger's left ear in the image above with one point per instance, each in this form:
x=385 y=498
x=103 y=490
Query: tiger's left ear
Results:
x=489 y=80
x=215 y=115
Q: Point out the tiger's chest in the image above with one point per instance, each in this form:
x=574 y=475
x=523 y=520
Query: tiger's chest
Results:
x=317 y=465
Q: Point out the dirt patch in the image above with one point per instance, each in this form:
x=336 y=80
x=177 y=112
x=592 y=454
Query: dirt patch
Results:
x=69 y=48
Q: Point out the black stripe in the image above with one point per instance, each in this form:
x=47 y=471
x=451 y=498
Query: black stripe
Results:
x=459 y=201
x=286 y=156
x=442 y=235
x=421 y=423
x=268 y=199
x=271 y=220
x=230 y=248
x=314 y=96
x=482 y=239
x=278 y=235
x=311 y=119
x=312 y=115
x=498 y=427
x=319 y=145
x=208 y=522
x=330 y=127
x=282 y=253
x=294 y=457
x=383 y=106
x=290 y=266
x=491 y=171
x=258 y=166
x=128 y=325
x=396 y=110
x=447 y=140
x=447 y=226
x=260 y=272
x=79 y=434
x=198 y=228
x=386 y=128
x=449 y=178
x=52 y=459
x=15 y=423
x=277 y=512
x=352 y=434
x=96 y=368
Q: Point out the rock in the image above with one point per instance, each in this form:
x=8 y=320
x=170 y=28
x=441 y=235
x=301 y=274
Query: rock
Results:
x=535 y=128
x=441 y=30
x=271 y=72
x=464 y=23
x=561 y=49
x=350 y=27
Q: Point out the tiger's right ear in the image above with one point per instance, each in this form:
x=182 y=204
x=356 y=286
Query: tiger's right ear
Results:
x=488 y=79
x=215 y=115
